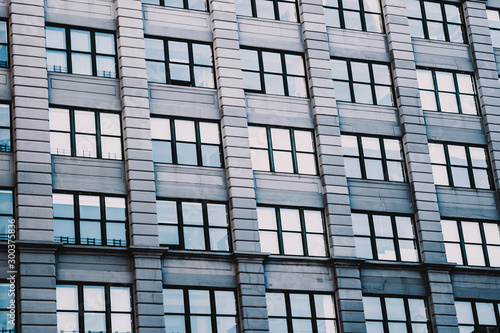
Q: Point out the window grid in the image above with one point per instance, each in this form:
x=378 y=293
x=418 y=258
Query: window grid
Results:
x=449 y=170
x=399 y=239
x=380 y=85
x=6 y=212
x=5 y=298
x=72 y=220
x=279 y=238
x=473 y=246
x=277 y=156
x=494 y=23
x=200 y=5
x=459 y=97
x=280 y=10
x=4 y=45
x=178 y=232
x=364 y=15
x=5 y=133
x=107 y=141
x=358 y=164
x=301 y=312
x=86 y=313
x=396 y=314
x=478 y=316
x=259 y=77
x=66 y=66
x=190 y=310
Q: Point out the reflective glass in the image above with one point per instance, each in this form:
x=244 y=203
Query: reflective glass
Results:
x=162 y=151
x=339 y=69
x=202 y=54
x=316 y=245
x=156 y=72
x=464 y=313
x=224 y=302
x=218 y=239
x=374 y=169
x=486 y=314
x=274 y=84
x=363 y=247
x=360 y=72
x=55 y=37
x=179 y=72
x=199 y=301
x=299 y=304
x=90 y=232
x=290 y=219
x=115 y=209
x=260 y=160
x=209 y=133
x=352 y=20
x=292 y=243
x=313 y=221
x=81 y=63
x=371 y=147
x=363 y=93
x=360 y=224
x=186 y=153
x=433 y=11
x=62 y=204
x=105 y=43
x=492 y=233
x=372 y=308
x=120 y=299
x=93 y=298
x=173 y=300
x=266 y=218
x=283 y=161
x=89 y=207
x=342 y=91
x=294 y=64
x=475 y=255
x=58 y=119
x=395 y=309
x=453 y=253
x=276 y=304
x=280 y=139
x=201 y=324
x=80 y=40
x=194 y=238
x=269 y=241
x=382 y=225
x=271 y=60
x=385 y=249
x=175 y=324
x=67 y=297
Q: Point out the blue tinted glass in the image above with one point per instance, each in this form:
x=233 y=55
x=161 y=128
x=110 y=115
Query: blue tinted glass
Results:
x=4 y=324
x=3 y=56
x=162 y=151
x=186 y=153
x=4 y=298
x=175 y=324
x=115 y=209
x=5 y=139
x=89 y=207
x=166 y=211
x=210 y=156
x=4 y=115
x=4 y=222
x=90 y=233
x=194 y=238
x=64 y=231
x=168 y=234
x=116 y=234
x=6 y=202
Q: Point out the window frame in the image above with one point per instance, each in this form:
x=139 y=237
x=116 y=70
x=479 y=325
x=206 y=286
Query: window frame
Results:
x=6 y=44
x=494 y=26
x=7 y=149
x=93 y=53
x=185 y=4
x=361 y=11
x=6 y=237
x=103 y=220
x=276 y=12
x=473 y=303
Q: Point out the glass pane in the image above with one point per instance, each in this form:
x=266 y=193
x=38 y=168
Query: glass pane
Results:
x=175 y=324
x=486 y=314
x=465 y=84
x=89 y=207
x=316 y=245
x=287 y=11
x=433 y=11
x=352 y=20
x=115 y=209
x=363 y=93
x=481 y=179
x=204 y=77
x=437 y=153
x=62 y=204
x=452 y=13
x=428 y=99
x=55 y=37
x=192 y=213
x=384 y=95
x=440 y=174
x=210 y=156
x=385 y=249
x=342 y=91
x=339 y=69
x=296 y=86
x=194 y=238
x=184 y=131
x=455 y=32
x=408 y=250
x=313 y=221
x=303 y=141
x=218 y=239
x=85 y=122
x=360 y=72
x=202 y=54
x=416 y=28
x=110 y=124
x=160 y=128
x=201 y=324
x=154 y=49
x=116 y=234
x=450 y=230
x=373 y=22
x=93 y=298
x=274 y=84
x=464 y=313
x=66 y=322
x=173 y=300
x=156 y=72
x=302 y=325
x=58 y=118
x=395 y=309
x=251 y=80
x=178 y=52
x=404 y=227
x=478 y=157
x=395 y=171
x=278 y=325
x=283 y=161
x=324 y=306
x=260 y=160
x=57 y=62
x=460 y=177
x=372 y=308
x=349 y=145
x=352 y=168
x=197 y=5
x=179 y=72
x=86 y=146
x=363 y=247
x=397 y=327
x=417 y=309
x=111 y=148
x=453 y=253
x=266 y=217
x=106 y=66
x=209 y=133
x=374 y=327
x=290 y=219
x=199 y=301
x=224 y=302
x=374 y=169
x=90 y=233
x=494 y=255
x=186 y=153
x=64 y=231
x=217 y=215
x=105 y=43
x=471 y=232
x=120 y=299
x=292 y=243
x=81 y=63
x=249 y=59
x=371 y=147
x=265 y=9
x=271 y=60
x=299 y=304
x=162 y=151
x=121 y=323
x=67 y=297
x=276 y=304
x=168 y=234
x=280 y=139
x=492 y=233
x=360 y=224
x=475 y=255
x=243 y=7
x=448 y=102
x=445 y=81
x=382 y=225
x=60 y=143
x=425 y=80
x=294 y=63
x=413 y=8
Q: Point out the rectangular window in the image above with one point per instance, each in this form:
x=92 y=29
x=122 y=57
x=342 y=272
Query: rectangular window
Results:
x=198 y=310
x=291 y=231
x=494 y=23
x=301 y=312
x=5 y=305
x=179 y=62
x=93 y=308
x=364 y=15
x=447 y=91
x=395 y=314
x=361 y=82
x=275 y=73
x=193 y=225
x=373 y=158
x=186 y=4
x=434 y=20
x=5 y=139
x=478 y=316
x=4 y=45
x=89 y=219
x=281 y=10
x=80 y=51
x=384 y=237
x=460 y=165
x=85 y=133
x=6 y=212
x=472 y=243
x=186 y=142
x=282 y=150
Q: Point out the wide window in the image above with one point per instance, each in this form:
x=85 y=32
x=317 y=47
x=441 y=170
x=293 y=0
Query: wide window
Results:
x=479 y=316
x=4 y=45
x=197 y=310
x=291 y=231
x=494 y=23
x=434 y=20
x=179 y=62
x=274 y=73
x=193 y=225
x=6 y=212
x=447 y=92
x=384 y=237
x=364 y=15
x=89 y=219
x=93 y=308
x=472 y=243
x=282 y=10
x=5 y=305
x=460 y=165
x=362 y=82
x=373 y=158
x=186 y=142
x=186 y=4
x=80 y=51
x=300 y=312
x=85 y=133
x=5 y=128
x=395 y=314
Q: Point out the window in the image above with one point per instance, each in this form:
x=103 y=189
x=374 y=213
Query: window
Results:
x=85 y=133
x=282 y=150
x=186 y=4
x=193 y=225
x=395 y=314
x=494 y=23
x=482 y=317
x=274 y=73
x=6 y=296
x=89 y=219
x=179 y=62
x=472 y=243
x=4 y=45
x=93 y=309
x=447 y=92
x=80 y=51
x=434 y=20
x=384 y=237
x=364 y=15
x=373 y=158
x=195 y=310
x=297 y=313
x=460 y=165
x=362 y=82
x=6 y=212
x=282 y=10
x=5 y=128
x=291 y=231
x=186 y=142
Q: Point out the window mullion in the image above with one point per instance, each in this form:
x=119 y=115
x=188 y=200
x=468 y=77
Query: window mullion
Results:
x=294 y=152
x=312 y=306
x=187 y=314
x=288 y=308
x=261 y=72
x=424 y=19
x=167 y=61
x=445 y=24
x=385 y=319
x=191 y=63
x=373 y=237
x=76 y=203
x=93 y=54
x=97 y=116
x=270 y=150
x=304 y=232
x=280 y=231
x=104 y=239
x=107 y=307
x=81 y=308
x=361 y=158
x=174 y=142
x=384 y=159
x=362 y=15
x=69 y=61
x=469 y=167
x=351 y=81
x=276 y=10
x=448 y=165
x=341 y=14
x=198 y=143
x=395 y=238
x=180 y=223
x=72 y=133
x=484 y=245
x=284 y=74
x=206 y=228
x=372 y=82
x=462 y=242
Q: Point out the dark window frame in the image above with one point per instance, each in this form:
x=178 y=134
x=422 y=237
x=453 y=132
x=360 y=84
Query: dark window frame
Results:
x=185 y=4
x=5 y=237
x=93 y=54
x=253 y=5
x=340 y=8
x=7 y=149
x=473 y=303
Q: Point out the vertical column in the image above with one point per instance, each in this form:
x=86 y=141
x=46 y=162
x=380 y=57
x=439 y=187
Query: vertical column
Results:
x=415 y=146
x=331 y=165
x=239 y=174
x=143 y=225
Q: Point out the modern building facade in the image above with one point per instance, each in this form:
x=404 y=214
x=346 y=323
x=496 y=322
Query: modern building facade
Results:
x=249 y=166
